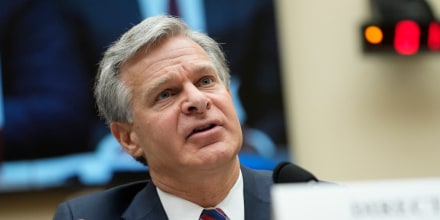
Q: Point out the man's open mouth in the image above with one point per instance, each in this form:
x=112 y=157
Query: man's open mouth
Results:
x=203 y=128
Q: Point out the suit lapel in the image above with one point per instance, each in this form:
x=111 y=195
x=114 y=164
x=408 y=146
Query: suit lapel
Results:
x=145 y=205
x=257 y=201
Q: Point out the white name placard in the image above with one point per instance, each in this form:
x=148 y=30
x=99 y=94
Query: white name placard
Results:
x=417 y=199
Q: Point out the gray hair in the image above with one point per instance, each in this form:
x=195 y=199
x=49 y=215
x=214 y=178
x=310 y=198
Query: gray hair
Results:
x=113 y=97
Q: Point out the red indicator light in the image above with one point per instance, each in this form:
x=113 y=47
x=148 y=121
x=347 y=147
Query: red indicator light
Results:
x=434 y=36
x=407 y=37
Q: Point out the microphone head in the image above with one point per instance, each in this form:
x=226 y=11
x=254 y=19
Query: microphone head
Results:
x=286 y=172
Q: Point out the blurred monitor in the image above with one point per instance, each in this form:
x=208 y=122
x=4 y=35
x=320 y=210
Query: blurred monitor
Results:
x=107 y=164
x=2 y=117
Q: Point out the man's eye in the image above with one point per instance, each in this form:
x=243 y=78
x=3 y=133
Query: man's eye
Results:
x=206 y=81
x=164 y=95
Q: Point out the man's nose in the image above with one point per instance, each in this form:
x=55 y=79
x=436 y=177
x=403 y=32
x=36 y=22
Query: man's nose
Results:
x=195 y=101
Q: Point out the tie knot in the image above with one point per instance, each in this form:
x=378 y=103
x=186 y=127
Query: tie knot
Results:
x=213 y=214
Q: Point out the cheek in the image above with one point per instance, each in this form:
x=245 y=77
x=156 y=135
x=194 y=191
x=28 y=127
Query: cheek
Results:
x=156 y=132
x=227 y=107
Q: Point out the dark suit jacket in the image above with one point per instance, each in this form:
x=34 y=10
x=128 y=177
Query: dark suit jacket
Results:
x=139 y=200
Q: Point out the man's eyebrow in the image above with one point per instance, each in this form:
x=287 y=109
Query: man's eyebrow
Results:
x=204 y=67
x=157 y=83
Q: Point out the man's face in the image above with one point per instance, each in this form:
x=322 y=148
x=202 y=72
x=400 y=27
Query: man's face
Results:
x=183 y=116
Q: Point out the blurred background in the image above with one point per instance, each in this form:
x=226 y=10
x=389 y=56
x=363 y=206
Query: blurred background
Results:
x=357 y=114
x=309 y=88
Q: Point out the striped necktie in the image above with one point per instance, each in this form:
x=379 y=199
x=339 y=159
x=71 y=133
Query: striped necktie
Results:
x=213 y=214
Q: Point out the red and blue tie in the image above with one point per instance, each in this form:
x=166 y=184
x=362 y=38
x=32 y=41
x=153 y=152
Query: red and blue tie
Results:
x=213 y=214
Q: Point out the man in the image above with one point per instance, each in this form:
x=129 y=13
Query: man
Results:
x=164 y=91
x=249 y=40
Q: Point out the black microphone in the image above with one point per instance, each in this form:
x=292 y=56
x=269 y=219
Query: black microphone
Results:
x=287 y=172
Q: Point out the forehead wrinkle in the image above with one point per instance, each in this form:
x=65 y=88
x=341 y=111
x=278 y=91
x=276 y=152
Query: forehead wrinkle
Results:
x=166 y=75
x=204 y=66
x=142 y=65
x=199 y=68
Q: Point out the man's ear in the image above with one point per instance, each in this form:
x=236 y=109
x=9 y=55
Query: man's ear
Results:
x=123 y=132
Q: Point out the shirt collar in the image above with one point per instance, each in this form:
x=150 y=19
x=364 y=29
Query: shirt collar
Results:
x=178 y=208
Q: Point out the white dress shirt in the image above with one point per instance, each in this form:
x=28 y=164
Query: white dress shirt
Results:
x=177 y=208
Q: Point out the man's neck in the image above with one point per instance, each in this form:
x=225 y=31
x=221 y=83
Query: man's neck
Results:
x=206 y=188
